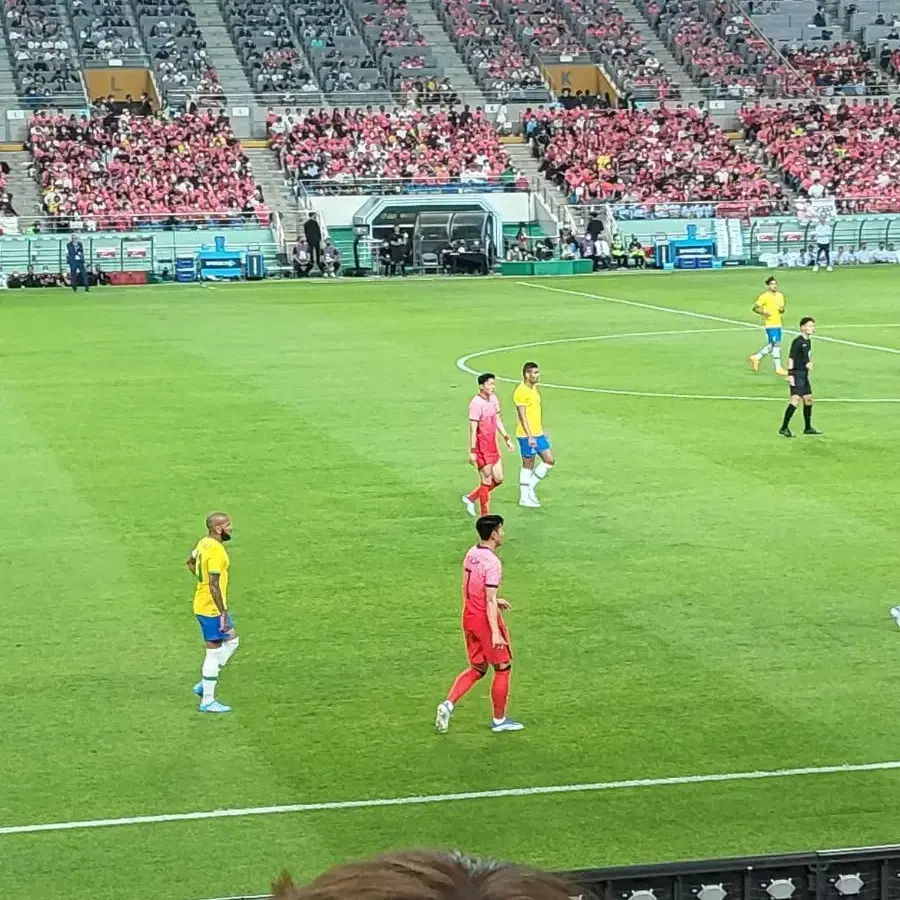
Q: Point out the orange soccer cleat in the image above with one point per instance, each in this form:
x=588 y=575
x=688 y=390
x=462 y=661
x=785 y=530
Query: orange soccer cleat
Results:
x=754 y=363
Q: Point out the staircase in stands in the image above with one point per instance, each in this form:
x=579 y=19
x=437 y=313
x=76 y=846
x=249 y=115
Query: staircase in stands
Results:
x=422 y=13
x=221 y=50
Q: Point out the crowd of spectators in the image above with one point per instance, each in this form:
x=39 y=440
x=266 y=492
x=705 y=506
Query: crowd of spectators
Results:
x=105 y=30
x=702 y=48
x=838 y=67
x=368 y=148
x=484 y=42
x=176 y=43
x=850 y=151
x=621 y=46
x=39 y=48
x=543 y=28
x=266 y=48
x=646 y=156
x=339 y=55
x=116 y=170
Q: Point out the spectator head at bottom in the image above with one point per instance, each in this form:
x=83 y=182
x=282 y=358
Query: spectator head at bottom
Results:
x=429 y=875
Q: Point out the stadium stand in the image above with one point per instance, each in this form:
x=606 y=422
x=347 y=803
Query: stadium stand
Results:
x=853 y=152
x=483 y=39
x=339 y=56
x=120 y=172
x=620 y=46
x=42 y=55
x=176 y=45
x=721 y=49
x=402 y=53
x=266 y=48
x=542 y=29
x=647 y=156
x=107 y=33
x=354 y=151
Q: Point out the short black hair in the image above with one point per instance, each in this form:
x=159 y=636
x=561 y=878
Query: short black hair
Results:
x=805 y=320
x=487 y=525
x=485 y=377
x=529 y=365
x=770 y=279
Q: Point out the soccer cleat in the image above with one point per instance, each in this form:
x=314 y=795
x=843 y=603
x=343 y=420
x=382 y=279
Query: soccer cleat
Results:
x=895 y=615
x=781 y=372
x=442 y=719
x=786 y=432
x=214 y=707
x=830 y=268
x=530 y=502
x=469 y=505
x=506 y=725
x=754 y=363
x=198 y=689
x=816 y=267
x=811 y=431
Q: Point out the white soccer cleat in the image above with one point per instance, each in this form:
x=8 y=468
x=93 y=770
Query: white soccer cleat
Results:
x=895 y=615
x=442 y=719
x=816 y=268
x=469 y=505
x=831 y=268
x=506 y=724
x=530 y=502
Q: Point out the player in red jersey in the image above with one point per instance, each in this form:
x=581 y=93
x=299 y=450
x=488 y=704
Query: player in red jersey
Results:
x=484 y=423
x=487 y=640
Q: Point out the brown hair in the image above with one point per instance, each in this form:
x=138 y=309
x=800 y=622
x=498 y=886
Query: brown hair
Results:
x=428 y=875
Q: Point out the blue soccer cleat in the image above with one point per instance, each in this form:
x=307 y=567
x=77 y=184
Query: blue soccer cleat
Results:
x=507 y=725
x=198 y=689
x=214 y=707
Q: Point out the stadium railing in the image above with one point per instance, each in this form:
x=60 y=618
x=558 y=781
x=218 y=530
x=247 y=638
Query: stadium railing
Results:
x=386 y=186
x=866 y=873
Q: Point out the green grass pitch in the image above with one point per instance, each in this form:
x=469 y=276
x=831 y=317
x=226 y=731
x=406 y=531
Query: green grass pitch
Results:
x=697 y=595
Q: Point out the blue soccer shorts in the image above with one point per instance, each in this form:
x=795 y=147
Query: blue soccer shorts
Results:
x=527 y=452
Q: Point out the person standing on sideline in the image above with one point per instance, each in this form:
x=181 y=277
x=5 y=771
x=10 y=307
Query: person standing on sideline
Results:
x=209 y=564
x=313 y=234
x=75 y=259
x=823 y=243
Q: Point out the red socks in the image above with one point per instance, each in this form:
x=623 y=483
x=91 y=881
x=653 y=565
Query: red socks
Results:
x=465 y=681
x=482 y=494
x=500 y=692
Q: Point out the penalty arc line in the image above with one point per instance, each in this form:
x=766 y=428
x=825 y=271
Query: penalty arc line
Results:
x=591 y=787
x=696 y=315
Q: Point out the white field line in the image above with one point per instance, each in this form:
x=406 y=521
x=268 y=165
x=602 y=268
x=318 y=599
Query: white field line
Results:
x=695 y=315
x=331 y=806
x=463 y=364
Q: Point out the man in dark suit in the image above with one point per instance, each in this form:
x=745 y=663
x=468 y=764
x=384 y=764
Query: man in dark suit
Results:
x=313 y=234
x=75 y=258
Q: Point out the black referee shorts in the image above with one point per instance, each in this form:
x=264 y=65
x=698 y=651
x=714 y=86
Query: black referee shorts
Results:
x=801 y=387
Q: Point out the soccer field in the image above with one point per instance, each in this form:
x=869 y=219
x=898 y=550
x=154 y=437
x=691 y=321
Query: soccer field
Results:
x=697 y=595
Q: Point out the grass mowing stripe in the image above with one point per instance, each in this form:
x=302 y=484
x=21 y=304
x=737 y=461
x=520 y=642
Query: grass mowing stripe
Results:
x=450 y=798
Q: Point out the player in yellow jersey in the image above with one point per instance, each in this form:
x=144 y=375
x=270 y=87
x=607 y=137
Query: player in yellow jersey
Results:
x=534 y=445
x=209 y=564
x=770 y=305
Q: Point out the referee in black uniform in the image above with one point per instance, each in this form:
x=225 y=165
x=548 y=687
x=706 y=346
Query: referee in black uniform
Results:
x=799 y=364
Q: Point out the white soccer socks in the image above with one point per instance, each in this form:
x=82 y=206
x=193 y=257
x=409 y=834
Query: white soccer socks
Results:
x=541 y=471
x=210 y=674
x=525 y=480
x=226 y=651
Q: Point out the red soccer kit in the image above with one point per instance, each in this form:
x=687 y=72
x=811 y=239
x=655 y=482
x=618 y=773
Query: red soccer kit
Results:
x=482 y=569
x=485 y=413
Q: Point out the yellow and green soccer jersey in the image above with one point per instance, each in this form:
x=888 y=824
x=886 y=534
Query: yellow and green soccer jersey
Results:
x=211 y=559
x=772 y=305
x=530 y=398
